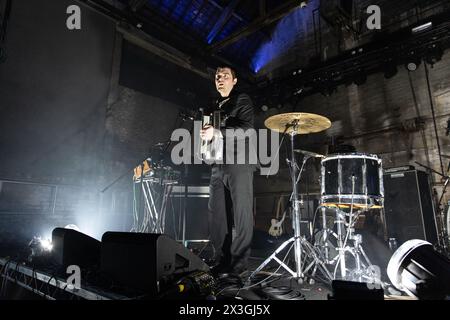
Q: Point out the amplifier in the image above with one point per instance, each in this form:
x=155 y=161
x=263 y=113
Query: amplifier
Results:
x=408 y=206
x=188 y=213
x=192 y=191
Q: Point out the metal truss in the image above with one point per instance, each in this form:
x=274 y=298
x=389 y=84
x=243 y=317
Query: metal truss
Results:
x=47 y=286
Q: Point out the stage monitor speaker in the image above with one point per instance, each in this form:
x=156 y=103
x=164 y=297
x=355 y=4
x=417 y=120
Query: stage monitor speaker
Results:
x=408 y=206
x=71 y=247
x=145 y=261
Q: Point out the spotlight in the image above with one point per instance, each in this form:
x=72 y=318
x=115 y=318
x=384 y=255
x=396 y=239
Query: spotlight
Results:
x=264 y=108
x=46 y=244
x=40 y=245
x=40 y=249
x=298 y=91
x=422 y=27
x=413 y=62
x=413 y=65
x=420 y=271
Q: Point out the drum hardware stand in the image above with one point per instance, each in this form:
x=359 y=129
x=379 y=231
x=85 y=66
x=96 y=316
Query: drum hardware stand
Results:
x=362 y=261
x=325 y=236
x=300 y=242
x=357 y=251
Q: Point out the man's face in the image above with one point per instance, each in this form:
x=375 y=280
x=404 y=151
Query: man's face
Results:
x=225 y=81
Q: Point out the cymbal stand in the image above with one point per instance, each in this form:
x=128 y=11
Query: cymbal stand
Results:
x=300 y=243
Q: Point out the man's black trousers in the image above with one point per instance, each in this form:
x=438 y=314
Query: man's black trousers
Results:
x=231 y=200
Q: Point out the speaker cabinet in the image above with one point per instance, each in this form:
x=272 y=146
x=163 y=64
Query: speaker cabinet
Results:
x=408 y=206
x=144 y=261
x=71 y=247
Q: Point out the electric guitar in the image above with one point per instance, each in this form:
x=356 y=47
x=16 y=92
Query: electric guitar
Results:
x=276 y=228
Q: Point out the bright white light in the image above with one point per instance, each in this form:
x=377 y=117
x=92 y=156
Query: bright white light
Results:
x=73 y=227
x=412 y=66
x=422 y=27
x=46 y=244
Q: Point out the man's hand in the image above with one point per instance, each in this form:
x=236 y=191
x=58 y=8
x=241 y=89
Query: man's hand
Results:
x=207 y=133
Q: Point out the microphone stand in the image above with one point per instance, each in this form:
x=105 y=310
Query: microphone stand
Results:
x=185 y=178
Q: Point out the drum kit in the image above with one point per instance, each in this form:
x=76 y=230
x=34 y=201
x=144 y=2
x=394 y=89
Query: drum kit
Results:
x=351 y=183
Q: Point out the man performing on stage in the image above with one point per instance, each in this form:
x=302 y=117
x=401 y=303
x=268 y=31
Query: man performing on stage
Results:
x=231 y=184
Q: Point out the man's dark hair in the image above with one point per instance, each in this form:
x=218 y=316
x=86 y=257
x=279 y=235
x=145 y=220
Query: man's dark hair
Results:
x=233 y=72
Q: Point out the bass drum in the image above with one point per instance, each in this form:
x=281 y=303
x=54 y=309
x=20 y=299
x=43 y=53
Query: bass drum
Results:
x=352 y=179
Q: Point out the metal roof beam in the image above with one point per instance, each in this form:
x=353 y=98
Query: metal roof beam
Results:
x=165 y=51
x=218 y=6
x=223 y=19
x=258 y=24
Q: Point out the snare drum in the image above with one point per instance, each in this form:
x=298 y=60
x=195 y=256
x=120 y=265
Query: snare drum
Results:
x=353 y=178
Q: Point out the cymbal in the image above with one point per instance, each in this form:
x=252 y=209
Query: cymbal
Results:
x=305 y=122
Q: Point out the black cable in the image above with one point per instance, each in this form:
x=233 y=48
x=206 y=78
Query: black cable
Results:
x=16 y=270
x=434 y=117
x=4 y=276
x=282 y=293
x=314 y=222
x=422 y=130
x=48 y=283
x=228 y=282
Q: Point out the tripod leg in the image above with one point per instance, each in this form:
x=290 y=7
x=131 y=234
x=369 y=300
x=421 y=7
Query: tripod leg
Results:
x=147 y=210
x=341 y=250
x=365 y=256
x=274 y=257
x=317 y=262
x=325 y=233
